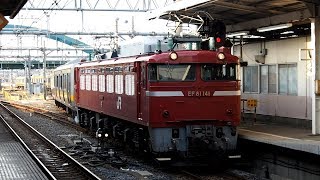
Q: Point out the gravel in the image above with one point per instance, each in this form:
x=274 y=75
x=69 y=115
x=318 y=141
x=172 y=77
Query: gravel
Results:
x=129 y=167
x=64 y=137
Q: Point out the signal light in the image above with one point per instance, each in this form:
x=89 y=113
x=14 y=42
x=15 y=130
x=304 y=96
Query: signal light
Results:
x=218 y=39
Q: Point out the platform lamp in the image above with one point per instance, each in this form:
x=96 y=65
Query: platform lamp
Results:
x=239 y=33
x=274 y=27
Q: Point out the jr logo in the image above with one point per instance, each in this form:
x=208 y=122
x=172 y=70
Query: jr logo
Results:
x=119 y=103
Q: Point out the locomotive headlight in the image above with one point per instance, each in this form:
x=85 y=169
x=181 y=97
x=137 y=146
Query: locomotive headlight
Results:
x=165 y=114
x=99 y=135
x=173 y=56
x=106 y=135
x=221 y=56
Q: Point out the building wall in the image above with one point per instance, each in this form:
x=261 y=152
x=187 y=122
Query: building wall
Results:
x=285 y=51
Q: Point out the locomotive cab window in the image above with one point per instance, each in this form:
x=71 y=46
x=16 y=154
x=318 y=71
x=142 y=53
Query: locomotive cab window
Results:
x=210 y=72
x=172 y=72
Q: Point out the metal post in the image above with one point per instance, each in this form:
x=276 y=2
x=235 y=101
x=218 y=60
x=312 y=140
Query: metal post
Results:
x=315 y=42
x=29 y=73
x=241 y=48
x=117 y=34
x=25 y=74
x=211 y=43
x=44 y=74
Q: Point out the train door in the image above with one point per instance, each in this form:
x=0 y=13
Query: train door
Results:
x=68 y=88
x=142 y=100
x=60 y=85
x=63 y=86
x=76 y=85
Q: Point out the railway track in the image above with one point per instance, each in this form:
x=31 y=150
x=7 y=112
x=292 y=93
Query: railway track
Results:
x=61 y=118
x=55 y=162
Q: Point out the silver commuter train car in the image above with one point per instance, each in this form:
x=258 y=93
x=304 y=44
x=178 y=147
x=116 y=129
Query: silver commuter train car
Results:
x=63 y=90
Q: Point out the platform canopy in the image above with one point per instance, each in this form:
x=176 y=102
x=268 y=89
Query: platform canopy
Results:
x=247 y=15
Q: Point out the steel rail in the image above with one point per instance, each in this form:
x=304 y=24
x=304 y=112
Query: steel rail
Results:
x=29 y=151
x=62 y=119
x=56 y=169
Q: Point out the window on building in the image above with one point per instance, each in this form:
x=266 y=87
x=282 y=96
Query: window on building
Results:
x=250 y=79
x=268 y=79
x=272 y=79
x=264 y=79
x=288 y=79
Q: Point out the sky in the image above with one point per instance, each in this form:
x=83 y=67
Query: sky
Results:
x=75 y=21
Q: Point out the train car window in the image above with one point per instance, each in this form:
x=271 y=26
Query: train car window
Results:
x=110 y=83
x=119 y=84
x=210 y=72
x=172 y=72
x=60 y=83
x=94 y=71
x=88 y=71
x=82 y=82
x=56 y=81
x=118 y=69
x=102 y=83
x=88 y=82
x=94 y=83
x=129 y=85
x=68 y=81
x=109 y=69
x=102 y=70
x=131 y=67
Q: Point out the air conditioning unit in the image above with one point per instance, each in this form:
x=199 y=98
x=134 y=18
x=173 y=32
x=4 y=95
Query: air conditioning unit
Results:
x=259 y=58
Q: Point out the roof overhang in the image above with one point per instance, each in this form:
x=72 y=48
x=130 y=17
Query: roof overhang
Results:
x=246 y=15
x=11 y=7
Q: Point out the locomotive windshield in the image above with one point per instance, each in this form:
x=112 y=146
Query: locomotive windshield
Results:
x=172 y=72
x=210 y=72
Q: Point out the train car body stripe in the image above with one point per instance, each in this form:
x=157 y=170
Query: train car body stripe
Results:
x=227 y=93
x=164 y=93
x=180 y=93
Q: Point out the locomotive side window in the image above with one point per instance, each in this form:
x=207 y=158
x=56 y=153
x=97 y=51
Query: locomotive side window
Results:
x=211 y=72
x=88 y=82
x=119 y=84
x=110 y=84
x=172 y=72
x=129 y=86
x=82 y=82
x=118 y=69
x=102 y=84
x=94 y=82
x=109 y=69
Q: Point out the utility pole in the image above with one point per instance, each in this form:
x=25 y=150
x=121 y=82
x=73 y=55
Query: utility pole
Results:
x=44 y=73
x=44 y=62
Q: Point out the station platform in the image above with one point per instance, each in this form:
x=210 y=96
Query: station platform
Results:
x=300 y=139
x=15 y=162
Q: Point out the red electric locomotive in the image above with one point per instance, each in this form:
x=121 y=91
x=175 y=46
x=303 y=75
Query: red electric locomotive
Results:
x=185 y=102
